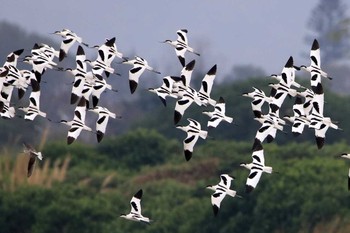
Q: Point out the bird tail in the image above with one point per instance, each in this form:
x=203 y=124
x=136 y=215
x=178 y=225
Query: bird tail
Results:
x=268 y=170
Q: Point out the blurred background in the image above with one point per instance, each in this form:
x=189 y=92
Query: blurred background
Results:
x=86 y=186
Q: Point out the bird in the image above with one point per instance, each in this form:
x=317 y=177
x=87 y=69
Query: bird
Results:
x=188 y=96
x=101 y=124
x=33 y=155
x=270 y=124
x=315 y=67
x=165 y=89
x=206 y=87
x=259 y=98
x=79 y=73
x=33 y=109
x=135 y=213
x=218 y=114
x=283 y=87
x=193 y=131
x=181 y=45
x=321 y=124
x=220 y=191
x=139 y=66
x=100 y=85
x=257 y=167
x=69 y=38
x=78 y=122
x=299 y=119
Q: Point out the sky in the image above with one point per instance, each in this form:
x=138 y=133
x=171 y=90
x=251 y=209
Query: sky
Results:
x=225 y=32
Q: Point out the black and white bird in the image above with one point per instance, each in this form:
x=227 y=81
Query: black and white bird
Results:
x=79 y=75
x=220 y=191
x=299 y=119
x=206 y=87
x=193 y=131
x=139 y=65
x=69 y=38
x=78 y=122
x=315 y=67
x=135 y=213
x=165 y=89
x=101 y=124
x=188 y=96
x=218 y=114
x=33 y=155
x=181 y=45
x=33 y=110
x=257 y=167
x=259 y=98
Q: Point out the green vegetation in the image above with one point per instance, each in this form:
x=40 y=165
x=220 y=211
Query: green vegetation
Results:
x=309 y=194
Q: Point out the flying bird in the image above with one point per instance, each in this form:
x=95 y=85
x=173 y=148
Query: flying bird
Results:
x=135 y=213
x=218 y=114
x=33 y=155
x=193 y=131
x=181 y=45
x=221 y=190
x=346 y=156
x=257 y=167
x=101 y=124
x=165 y=89
x=139 y=66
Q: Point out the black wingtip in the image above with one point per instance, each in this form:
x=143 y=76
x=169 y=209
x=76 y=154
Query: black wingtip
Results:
x=99 y=136
x=182 y=61
x=133 y=86
x=296 y=134
x=73 y=98
x=257 y=145
x=274 y=107
x=221 y=100
x=249 y=188
x=62 y=55
x=319 y=142
x=190 y=65
x=177 y=117
x=139 y=194
x=82 y=102
x=70 y=140
x=110 y=42
x=80 y=50
x=188 y=155
x=95 y=101
x=289 y=63
x=18 y=52
x=315 y=45
x=215 y=210
x=212 y=71
x=269 y=138
x=21 y=93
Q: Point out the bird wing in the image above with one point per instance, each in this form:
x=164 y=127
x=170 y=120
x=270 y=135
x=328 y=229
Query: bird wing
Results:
x=31 y=164
x=189 y=143
x=207 y=84
x=315 y=54
x=135 y=203
x=225 y=181
x=181 y=106
x=101 y=125
x=80 y=111
x=182 y=36
x=216 y=199
x=186 y=72
x=256 y=170
x=134 y=75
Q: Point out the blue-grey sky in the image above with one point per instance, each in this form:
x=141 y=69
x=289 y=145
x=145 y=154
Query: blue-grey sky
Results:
x=226 y=32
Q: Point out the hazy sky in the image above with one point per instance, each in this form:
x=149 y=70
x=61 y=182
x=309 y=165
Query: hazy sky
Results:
x=226 y=32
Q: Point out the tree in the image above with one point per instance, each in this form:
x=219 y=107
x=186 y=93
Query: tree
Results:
x=328 y=21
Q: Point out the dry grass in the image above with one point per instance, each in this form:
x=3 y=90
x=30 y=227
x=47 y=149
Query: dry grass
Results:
x=13 y=172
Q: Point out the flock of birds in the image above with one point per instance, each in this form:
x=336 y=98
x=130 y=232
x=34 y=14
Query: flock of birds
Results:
x=89 y=84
